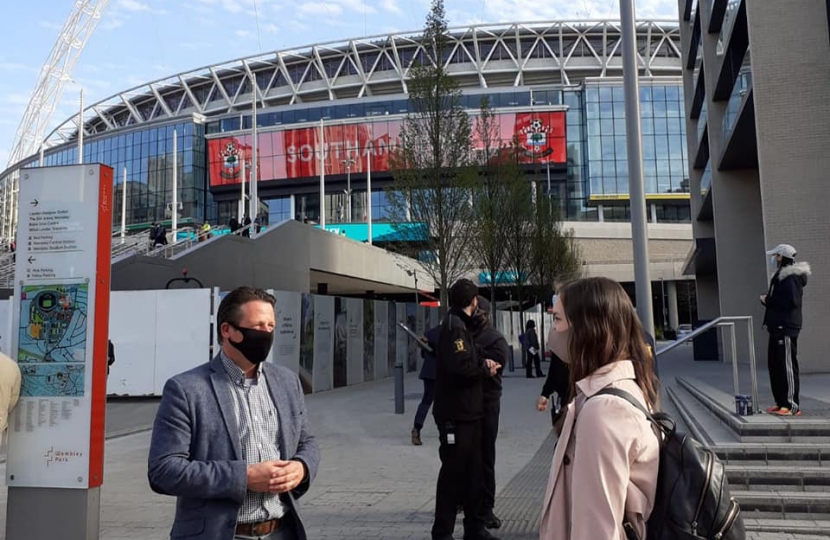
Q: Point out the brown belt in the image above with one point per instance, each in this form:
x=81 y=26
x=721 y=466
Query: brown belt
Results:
x=263 y=528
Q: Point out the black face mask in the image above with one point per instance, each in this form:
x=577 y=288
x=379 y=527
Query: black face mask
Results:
x=255 y=344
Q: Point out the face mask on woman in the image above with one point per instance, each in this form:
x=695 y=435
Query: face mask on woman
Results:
x=559 y=344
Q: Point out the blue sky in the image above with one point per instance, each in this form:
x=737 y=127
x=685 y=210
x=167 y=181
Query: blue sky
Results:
x=141 y=40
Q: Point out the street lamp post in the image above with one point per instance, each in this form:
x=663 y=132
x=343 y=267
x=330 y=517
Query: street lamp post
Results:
x=636 y=189
x=348 y=163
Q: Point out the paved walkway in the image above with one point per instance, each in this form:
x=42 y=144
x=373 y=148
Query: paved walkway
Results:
x=372 y=482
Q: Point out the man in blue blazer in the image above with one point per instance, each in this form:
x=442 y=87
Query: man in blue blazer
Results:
x=231 y=438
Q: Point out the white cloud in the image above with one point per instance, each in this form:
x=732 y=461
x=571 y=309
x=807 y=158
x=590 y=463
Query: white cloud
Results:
x=520 y=10
x=232 y=6
x=270 y=28
x=133 y=5
x=390 y=6
x=49 y=25
x=319 y=8
x=243 y=33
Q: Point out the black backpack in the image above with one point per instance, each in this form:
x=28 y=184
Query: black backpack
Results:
x=693 y=499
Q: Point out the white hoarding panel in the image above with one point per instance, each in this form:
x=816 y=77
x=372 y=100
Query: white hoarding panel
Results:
x=381 y=339
x=323 y=372
x=354 y=325
x=182 y=332
x=5 y=327
x=402 y=345
x=286 y=351
x=133 y=334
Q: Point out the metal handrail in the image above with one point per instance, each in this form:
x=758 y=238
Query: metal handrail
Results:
x=728 y=321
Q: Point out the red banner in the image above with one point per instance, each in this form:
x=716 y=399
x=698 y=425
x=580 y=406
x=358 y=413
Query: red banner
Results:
x=295 y=153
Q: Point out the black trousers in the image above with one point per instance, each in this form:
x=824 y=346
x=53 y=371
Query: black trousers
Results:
x=534 y=360
x=459 y=481
x=782 y=361
x=426 y=403
x=489 y=432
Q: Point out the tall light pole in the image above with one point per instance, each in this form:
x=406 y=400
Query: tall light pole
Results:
x=254 y=197
x=322 y=219
x=348 y=163
x=636 y=190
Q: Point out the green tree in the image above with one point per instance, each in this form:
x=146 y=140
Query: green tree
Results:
x=496 y=169
x=555 y=257
x=431 y=165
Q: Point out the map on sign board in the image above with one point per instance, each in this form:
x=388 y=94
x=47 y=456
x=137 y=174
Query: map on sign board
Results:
x=51 y=347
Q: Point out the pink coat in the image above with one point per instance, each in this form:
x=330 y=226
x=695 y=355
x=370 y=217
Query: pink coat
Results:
x=604 y=467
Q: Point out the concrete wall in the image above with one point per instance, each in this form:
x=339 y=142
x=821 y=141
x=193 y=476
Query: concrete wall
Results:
x=281 y=258
x=791 y=81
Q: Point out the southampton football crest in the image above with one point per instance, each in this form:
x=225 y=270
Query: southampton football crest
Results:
x=231 y=162
x=534 y=139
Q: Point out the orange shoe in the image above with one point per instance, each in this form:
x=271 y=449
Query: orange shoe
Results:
x=783 y=411
x=773 y=409
x=798 y=412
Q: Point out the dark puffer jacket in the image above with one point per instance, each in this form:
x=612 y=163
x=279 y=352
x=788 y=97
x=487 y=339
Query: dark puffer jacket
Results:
x=786 y=289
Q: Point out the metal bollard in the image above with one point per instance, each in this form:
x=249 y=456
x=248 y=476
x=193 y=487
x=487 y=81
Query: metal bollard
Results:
x=399 y=405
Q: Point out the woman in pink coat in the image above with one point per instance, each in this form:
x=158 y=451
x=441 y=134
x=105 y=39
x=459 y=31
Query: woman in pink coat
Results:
x=604 y=472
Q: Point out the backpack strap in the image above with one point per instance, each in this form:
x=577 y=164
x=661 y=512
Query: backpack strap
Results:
x=628 y=397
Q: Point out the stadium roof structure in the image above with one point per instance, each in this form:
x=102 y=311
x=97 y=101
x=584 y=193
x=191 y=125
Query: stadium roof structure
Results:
x=481 y=56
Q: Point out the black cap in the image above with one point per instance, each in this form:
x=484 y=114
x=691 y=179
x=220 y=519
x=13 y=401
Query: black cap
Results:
x=462 y=293
x=483 y=304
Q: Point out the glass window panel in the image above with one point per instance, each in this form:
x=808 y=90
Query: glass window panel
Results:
x=619 y=147
x=594 y=148
x=673 y=93
x=647 y=126
x=606 y=109
x=592 y=110
x=619 y=94
x=619 y=126
x=659 y=93
x=606 y=94
x=648 y=148
x=591 y=94
x=660 y=126
x=607 y=126
x=674 y=125
x=673 y=109
x=660 y=110
x=619 y=109
x=645 y=94
x=661 y=146
x=608 y=148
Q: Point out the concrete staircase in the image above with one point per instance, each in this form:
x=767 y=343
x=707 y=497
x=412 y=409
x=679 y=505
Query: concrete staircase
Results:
x=778 y=468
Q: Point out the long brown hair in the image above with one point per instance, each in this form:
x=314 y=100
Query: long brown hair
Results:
x=604 y=329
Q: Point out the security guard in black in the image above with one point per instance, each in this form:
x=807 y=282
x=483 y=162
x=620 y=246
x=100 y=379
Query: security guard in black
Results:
x=458 y=410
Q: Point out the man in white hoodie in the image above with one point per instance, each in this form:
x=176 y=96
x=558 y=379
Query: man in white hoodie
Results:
x=783 y=322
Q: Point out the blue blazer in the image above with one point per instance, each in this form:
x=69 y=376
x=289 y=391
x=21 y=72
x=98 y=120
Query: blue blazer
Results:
x=196 y=449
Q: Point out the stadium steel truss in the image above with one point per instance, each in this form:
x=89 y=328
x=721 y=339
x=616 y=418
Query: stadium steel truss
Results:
x=483 y=56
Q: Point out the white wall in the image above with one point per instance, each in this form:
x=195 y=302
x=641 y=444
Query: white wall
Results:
x=157 y=334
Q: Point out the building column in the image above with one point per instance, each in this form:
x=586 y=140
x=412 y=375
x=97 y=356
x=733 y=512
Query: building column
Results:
x=671 y=289
x=653 y=207
x=601 y=213
x=292 y=206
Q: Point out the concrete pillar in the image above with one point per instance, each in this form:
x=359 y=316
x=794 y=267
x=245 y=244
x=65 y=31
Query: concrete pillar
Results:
x=292 y=206
x=653 y=207
x=601 y=213
x=671 y=291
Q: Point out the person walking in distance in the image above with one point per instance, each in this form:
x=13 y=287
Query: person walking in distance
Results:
x=231 y=438
x=427 y=375
x=458 y=412
x=782 y=320
x=530 y=343
x=490 y=344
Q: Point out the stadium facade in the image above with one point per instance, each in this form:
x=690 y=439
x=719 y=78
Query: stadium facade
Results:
x=555 y=85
